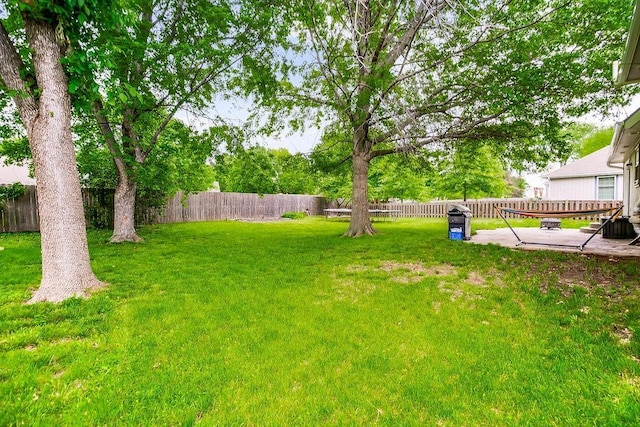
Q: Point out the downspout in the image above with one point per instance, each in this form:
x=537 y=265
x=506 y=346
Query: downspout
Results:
x=617 y=136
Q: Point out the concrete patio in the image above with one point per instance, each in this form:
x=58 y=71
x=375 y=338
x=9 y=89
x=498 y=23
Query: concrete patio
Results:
x=597 y=245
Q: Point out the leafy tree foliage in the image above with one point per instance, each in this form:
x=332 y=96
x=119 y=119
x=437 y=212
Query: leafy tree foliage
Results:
x=168 y=56
x=294 y=173
x=584 y=139
x=260 y=170
x=178 y=163
x=470 y=171
x=594 y=141
x=250 y=170
x=329 y=162
x=516 y=185
x=400 y=177
x=11 y=191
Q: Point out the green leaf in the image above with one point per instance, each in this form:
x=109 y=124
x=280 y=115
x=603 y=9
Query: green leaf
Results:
x=74 y=84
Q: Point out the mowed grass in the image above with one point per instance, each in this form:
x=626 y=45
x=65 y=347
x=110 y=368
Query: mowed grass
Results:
x=287 y=323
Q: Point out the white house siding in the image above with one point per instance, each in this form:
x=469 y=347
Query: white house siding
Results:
x=580 y=188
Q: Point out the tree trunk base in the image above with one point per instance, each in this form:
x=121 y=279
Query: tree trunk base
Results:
x=121 y=238
x=56 y=292
x=366 y=230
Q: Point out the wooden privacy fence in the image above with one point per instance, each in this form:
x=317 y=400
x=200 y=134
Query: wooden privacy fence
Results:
x=485 y=208
x=216 y=206
x=22 y=214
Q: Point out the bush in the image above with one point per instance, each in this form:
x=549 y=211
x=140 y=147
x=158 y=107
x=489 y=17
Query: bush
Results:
x=294 y=215
x=12 y=191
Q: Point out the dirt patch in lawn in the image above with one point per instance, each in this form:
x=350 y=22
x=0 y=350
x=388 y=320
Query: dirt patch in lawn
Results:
x=623 y=334
x=591 y=274
x=414 y=272
x=276 y=219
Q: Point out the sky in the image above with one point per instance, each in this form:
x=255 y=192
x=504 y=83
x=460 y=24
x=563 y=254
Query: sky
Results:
x=237 y=112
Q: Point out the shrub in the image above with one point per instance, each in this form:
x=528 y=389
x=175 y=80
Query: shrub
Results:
x=11 y=192
x=294 y=215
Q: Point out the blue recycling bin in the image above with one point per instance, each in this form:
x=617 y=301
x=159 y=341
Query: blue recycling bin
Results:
x=459 y=222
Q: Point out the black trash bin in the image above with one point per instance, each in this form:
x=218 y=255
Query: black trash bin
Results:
x=459 y=222
x=621 y=228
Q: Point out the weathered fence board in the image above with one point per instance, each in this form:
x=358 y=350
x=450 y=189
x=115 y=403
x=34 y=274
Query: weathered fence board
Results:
x=217 y=206
x=22 y=214
x=485 y=208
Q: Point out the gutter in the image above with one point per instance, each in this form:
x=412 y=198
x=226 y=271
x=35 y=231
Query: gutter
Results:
x=625 y=137
x=617 y=136
x=622 y=68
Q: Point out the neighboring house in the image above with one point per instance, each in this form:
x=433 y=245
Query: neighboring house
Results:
x=588 y=178
x=14 y=173
x=624 y=147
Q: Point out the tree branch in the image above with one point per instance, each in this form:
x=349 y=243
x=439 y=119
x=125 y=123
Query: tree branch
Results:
x=449 y=134
x=109 y=138
x=423 y=15
x=10 y=73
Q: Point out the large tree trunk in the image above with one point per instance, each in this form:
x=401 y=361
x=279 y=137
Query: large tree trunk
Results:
x=124 y=207
x=66 y=269
x=360 y=221
x=124 y=201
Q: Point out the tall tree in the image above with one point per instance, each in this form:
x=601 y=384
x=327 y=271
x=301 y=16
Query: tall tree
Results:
x=329 y=163
x=294 y=174
x=400 y=75
x=171 y=56
x=399 y=177
x=35 y=78
x=247 y=170
x=261 y=170
x=595 y=140
x=469 y=171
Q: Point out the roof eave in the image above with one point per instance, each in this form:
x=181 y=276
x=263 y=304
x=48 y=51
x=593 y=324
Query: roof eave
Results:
x=631 y=48
x=625 y=139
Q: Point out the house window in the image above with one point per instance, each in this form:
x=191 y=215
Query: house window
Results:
x=606 y=187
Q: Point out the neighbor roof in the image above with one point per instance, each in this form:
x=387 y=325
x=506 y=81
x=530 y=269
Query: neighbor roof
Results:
x=594 y=164
x=13 y=173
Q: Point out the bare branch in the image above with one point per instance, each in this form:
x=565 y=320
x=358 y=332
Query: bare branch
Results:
x=109 y=137
x=426 y=11
x=464 y=131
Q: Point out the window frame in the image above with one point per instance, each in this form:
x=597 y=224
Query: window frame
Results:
x=599 y=187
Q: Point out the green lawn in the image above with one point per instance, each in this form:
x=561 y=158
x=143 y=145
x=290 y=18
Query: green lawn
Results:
x=287 y=323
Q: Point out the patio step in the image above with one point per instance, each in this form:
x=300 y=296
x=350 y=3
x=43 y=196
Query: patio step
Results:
x=591 y=229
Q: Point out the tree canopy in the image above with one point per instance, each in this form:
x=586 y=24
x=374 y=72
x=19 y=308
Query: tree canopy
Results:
x=587 y=138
